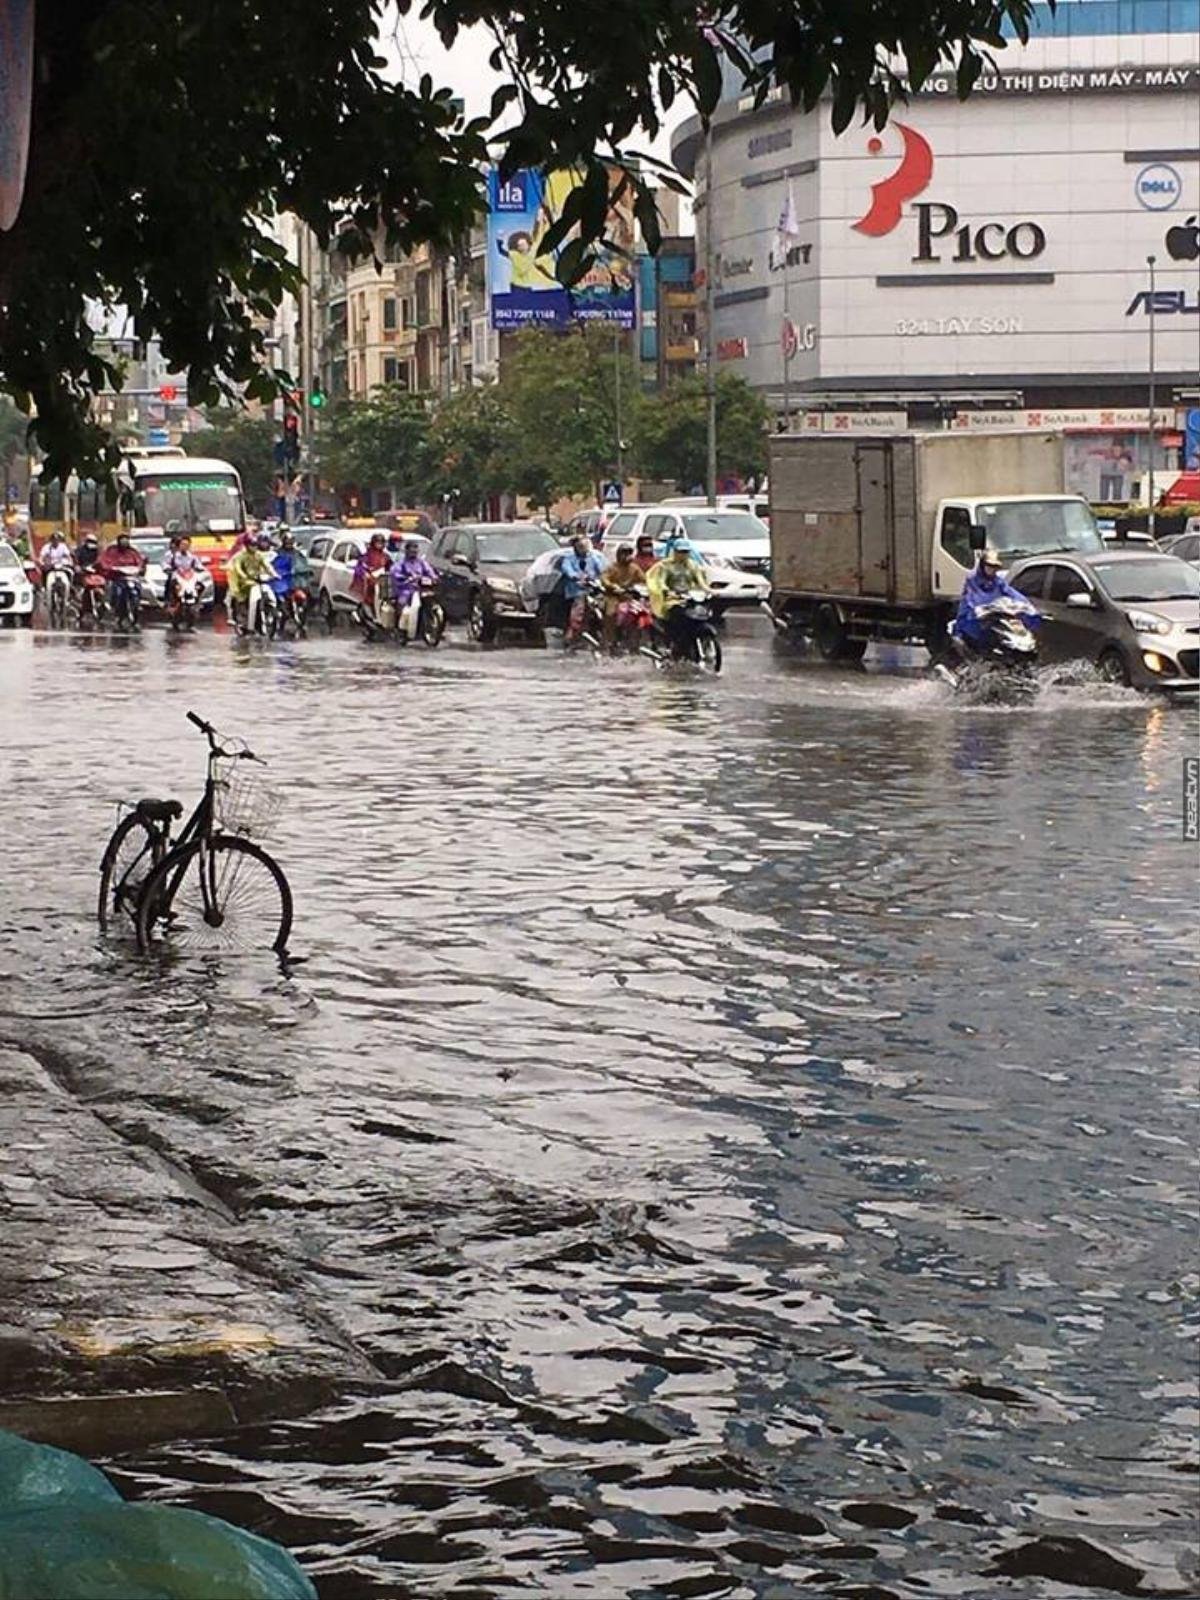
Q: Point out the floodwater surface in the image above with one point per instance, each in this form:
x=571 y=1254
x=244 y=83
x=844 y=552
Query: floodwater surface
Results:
x=746 y=1124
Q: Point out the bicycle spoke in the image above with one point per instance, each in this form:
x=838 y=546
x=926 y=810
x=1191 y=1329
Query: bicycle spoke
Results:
x=228 y=899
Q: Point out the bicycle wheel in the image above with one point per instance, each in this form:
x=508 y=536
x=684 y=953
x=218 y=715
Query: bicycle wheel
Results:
x=224 y=895
x=130 y=856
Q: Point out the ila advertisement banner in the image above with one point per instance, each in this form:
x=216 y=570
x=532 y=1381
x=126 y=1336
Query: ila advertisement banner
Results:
x=524 y=291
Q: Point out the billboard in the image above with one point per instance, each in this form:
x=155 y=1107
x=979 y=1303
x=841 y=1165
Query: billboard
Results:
x=524 y=292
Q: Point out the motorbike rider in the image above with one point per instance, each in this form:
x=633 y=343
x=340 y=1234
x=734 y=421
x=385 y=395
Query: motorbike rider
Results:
x=368 y=569
x=581 y=570
x=409 y=575
x=670 y=581
x=180 y=564
x=87 y=553
x=250 y=566
x=121 y=563
x=644 y=554
x=619 y=583
x=293 y=570
x=56 y=554
x=983 y=587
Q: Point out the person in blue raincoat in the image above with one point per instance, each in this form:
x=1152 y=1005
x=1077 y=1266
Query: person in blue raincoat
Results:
x=581 y=569
x=984 y=586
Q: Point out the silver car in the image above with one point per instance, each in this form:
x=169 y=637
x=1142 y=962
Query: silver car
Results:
x=1134 y=613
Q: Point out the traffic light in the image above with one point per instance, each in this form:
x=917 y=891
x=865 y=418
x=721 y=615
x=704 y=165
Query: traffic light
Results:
x=316 y=397
x=168 y=392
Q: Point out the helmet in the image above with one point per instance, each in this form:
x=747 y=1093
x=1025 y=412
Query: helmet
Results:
x=376 y=538
x=263 y=541
x=412 y=544
x=624 y=552
x=990 y=558
x=681 y=546
x=286 y=540
x=90 y=538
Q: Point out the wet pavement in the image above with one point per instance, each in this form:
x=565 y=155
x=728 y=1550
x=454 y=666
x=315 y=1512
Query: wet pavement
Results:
x=736 y=1135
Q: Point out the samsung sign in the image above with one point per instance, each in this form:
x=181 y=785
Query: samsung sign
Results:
x=1157 y=187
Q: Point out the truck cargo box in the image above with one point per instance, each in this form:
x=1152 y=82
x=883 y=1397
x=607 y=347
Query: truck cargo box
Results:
x=854 y=517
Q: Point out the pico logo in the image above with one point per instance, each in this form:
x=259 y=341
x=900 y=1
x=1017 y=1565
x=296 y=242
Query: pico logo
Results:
x=1158 y=187
x=936 y=220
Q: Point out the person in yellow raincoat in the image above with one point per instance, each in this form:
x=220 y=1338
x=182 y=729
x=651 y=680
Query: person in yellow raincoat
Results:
x=670 y=582
x=251 y=565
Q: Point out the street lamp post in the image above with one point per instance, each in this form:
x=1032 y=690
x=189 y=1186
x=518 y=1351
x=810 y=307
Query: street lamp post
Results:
x=1150 y=260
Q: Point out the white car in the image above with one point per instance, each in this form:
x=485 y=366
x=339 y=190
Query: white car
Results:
x=734 y=546
x=333 y=576
x=758 y=504
x=16 y=591
x=154 y=586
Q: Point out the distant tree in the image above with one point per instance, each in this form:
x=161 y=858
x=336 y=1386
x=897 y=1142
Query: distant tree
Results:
x=561 y=390
x=470 y=449
x=14 y=428
x=244 y=440
x=673 y=431
x=165 y=137
x=376 y=443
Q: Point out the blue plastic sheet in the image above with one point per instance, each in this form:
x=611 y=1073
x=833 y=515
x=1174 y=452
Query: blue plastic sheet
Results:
x=66 y=1534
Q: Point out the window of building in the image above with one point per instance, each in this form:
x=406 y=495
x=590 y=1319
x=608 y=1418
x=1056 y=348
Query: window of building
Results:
x=389 y=314
x=423 y=300
x=391 y=370
x=406 y=311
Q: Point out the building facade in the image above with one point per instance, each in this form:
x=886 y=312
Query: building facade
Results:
x=992 y=253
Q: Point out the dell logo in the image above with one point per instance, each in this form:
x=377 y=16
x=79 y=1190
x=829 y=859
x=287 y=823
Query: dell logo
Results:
x=1157 y=187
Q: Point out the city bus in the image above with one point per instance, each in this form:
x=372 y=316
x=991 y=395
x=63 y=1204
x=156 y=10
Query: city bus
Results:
x=154 y=490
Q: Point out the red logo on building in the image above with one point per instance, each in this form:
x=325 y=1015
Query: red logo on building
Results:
x=910 y=177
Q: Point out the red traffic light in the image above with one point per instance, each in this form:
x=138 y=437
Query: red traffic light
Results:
x=168 y=392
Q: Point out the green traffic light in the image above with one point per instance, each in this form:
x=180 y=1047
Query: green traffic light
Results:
x=316 y=399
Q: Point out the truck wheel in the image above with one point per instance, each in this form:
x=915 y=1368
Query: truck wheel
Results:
x=829 y=636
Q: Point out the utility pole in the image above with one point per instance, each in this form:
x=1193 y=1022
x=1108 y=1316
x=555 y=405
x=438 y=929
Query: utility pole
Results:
x=306 y=367
x=710 y=363
x=1151 y=433
x=617 y=403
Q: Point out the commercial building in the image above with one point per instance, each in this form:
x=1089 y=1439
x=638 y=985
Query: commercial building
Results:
x=979 y=256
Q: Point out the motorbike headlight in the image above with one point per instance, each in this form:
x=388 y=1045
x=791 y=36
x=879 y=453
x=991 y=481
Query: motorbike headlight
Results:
x=1147 y=622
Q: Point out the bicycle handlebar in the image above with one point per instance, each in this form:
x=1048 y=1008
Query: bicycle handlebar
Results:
x=214 y=743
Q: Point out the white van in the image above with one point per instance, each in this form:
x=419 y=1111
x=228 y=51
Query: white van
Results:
x=758 y=505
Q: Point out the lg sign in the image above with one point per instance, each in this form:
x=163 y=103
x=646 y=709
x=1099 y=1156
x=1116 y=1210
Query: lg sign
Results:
x=936 y=220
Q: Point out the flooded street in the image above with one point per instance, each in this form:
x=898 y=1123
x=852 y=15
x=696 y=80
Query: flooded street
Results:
x=744 y=1127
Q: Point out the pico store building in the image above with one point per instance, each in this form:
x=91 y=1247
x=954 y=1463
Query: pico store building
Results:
x=1028 y=255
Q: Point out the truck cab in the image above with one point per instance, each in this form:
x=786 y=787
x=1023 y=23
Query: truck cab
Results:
x=1015 y=525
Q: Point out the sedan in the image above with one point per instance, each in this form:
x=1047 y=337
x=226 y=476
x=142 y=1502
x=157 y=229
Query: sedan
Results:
x=1136 y=614
x=1186 y=546
x=480 y=566
x=16 y=591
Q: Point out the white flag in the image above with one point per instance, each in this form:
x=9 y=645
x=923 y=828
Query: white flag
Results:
x=789 y=223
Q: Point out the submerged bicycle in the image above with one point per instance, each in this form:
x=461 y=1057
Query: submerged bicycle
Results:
x=211 y=888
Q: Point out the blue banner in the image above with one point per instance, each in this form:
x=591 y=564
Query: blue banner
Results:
x=523 y=288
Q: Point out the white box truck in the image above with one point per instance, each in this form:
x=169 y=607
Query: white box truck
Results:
x=873 y=536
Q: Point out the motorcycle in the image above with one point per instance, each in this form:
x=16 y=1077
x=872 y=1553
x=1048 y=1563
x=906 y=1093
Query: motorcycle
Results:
x=375 y=613
x=291 y=615
x=635 y=621
x=127 y=603
x=1003 y=665
x=58 y=594
x=185 y=602
x=700 y=646
x=91 y=604
x=262 y=610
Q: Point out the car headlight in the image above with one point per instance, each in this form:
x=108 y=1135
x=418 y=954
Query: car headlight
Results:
x=1147 y=622
x=711 y=559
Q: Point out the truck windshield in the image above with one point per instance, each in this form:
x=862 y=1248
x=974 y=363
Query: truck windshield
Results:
x=1032 y=527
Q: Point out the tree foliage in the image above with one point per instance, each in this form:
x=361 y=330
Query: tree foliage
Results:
x=472 y=443
x=380 y=440
x=245 y=440
x=165 y=135
x=673 y=431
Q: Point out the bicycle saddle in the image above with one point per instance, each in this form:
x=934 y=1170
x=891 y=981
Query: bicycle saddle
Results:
x=159 y=810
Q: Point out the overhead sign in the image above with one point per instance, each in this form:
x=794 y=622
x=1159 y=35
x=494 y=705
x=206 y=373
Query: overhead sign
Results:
x=1095 y=80
x=854 y=422
x=1080 y=420
x=524 y=290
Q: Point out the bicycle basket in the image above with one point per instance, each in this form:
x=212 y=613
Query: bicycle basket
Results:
x=246 y=804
